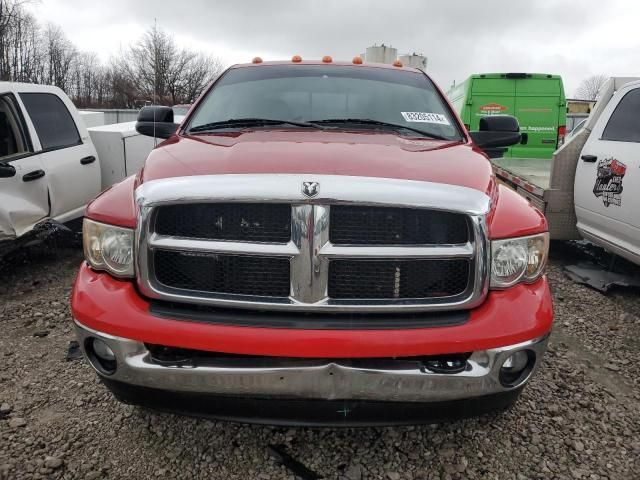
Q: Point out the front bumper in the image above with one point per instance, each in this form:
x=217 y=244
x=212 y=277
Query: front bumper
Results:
x=312 y=376
x=309 y=412
x=287 y=383
x=506 y=317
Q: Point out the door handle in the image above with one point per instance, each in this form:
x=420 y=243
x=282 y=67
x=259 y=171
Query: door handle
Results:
x=36 y=174
x=87 y=160
x=589 y=158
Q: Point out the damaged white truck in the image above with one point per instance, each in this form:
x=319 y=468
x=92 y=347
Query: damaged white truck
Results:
x=49 y=166
x=591 y=187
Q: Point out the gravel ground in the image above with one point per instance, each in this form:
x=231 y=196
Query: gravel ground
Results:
x=578 y=418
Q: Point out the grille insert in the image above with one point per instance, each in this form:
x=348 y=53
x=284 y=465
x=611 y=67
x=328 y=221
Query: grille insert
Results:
x=251 y=222
x=227 y=274
x=357 y=225
x=397 y=279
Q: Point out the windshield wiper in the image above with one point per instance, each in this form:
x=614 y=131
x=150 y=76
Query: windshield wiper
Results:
x=249 y=122
x=368 y=121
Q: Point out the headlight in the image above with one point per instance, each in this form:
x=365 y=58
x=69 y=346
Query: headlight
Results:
x=107 y=247
x=520 y=259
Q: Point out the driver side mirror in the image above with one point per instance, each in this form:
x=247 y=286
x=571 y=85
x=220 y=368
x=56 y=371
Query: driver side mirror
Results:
x=156 y=121
x=496 y=133
x=7 y=170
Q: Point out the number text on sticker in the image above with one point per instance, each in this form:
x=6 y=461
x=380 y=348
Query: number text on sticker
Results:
x=425 y=117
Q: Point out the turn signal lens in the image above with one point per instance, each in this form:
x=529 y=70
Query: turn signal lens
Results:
x=518 y=259
x=296 y=59
x=327 y=59
x=107 y=247
x=256 y=60
x=537 y=254
x=397 y=63
x=357 y=60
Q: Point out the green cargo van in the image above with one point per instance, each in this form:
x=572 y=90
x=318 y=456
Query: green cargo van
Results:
x=537 y=100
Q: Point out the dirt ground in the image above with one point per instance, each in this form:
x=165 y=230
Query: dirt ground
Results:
x=579 y=418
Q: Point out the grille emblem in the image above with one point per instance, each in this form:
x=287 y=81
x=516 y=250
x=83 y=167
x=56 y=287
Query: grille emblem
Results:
x=310 y=189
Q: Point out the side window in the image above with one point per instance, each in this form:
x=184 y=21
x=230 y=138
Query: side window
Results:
x=51 y=119
x=13 y=137
x=624 y=124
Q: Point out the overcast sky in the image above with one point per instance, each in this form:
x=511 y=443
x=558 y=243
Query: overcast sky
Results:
x=574 y=38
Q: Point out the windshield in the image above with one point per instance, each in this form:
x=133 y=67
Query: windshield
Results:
x=336 y=96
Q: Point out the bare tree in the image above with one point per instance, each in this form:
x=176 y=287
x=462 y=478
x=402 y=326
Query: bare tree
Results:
x=588 y=89
x=201 y=71
x=154 y=69
x=61 y=54
x=166 y=74
x=11 y=12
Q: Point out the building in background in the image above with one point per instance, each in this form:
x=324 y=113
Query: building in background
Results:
x=414 y=60
x=575 y=105
x=381 y=54
x=388 y=54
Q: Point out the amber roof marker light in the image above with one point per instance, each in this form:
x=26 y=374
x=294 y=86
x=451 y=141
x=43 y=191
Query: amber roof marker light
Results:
x=256 y=60
x=357 y=60
x=397 y=63
x=296 y=59
x=327 y=59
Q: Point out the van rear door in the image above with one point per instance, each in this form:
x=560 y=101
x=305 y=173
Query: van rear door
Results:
x=537 y=106
x=491 y=96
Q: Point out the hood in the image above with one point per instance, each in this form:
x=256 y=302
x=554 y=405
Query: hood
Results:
x=368 y=154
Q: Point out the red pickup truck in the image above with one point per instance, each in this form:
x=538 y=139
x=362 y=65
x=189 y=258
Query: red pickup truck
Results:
x=317 y=243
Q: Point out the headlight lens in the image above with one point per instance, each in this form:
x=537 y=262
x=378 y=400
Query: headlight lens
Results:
x=107 y=247
x=518 y=259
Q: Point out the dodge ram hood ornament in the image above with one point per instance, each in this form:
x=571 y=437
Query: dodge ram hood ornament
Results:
x=310 y=189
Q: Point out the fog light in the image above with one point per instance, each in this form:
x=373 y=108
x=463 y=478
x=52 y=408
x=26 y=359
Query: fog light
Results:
x=101 y=356
x=103 y=351
x=517 y=367
x=516 y=362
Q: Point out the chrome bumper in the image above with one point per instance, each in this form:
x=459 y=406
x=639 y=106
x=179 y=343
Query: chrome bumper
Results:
x=382 y=380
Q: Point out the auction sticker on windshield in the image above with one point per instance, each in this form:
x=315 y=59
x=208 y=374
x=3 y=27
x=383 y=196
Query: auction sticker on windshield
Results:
x=425 y=117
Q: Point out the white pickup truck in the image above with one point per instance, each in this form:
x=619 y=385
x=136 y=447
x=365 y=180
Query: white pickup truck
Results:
x=591 y=187
x=51 y=166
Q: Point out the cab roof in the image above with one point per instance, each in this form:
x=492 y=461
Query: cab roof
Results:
x=326 y=64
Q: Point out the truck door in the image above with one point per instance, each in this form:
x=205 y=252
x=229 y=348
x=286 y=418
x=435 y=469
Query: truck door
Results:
x=23 y=183
x=607 y=184
x=68 y=156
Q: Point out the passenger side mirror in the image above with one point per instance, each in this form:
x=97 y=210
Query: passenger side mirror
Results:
x=156 y=122
x=7 y=170
x=496 y=133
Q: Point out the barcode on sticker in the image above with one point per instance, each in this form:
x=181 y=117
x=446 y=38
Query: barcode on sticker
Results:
x=425 y=117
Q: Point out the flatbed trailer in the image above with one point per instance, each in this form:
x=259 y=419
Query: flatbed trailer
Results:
x=548 y=184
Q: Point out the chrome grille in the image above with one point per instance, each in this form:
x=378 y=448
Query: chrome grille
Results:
x=343 y=251
x=232 y=274
x=389 y=279
x=250 y=222
x=357 y=225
